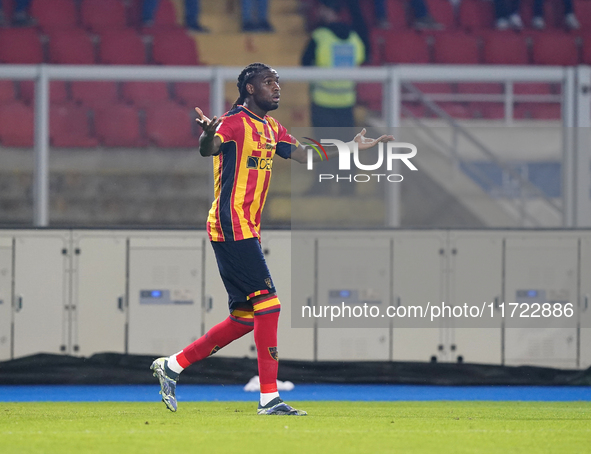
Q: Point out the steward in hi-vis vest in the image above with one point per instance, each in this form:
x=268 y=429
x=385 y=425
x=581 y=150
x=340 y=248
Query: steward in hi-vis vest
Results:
x=332 y=51
x=334 y=44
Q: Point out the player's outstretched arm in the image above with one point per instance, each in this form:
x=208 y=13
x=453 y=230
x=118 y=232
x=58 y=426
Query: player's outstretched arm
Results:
x=300 y=154
x=209 y=144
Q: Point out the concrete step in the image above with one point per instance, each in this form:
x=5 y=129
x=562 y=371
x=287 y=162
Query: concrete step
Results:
x=228 y=7
x=283 y=24
x=241 y=49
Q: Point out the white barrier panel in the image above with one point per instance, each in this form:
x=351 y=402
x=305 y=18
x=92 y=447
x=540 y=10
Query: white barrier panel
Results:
x=82 y=292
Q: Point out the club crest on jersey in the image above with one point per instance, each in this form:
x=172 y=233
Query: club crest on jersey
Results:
x=274 y=354
x=269 y=282
x=255 y=162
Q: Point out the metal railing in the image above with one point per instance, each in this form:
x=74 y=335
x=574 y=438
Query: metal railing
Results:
x=392 y=77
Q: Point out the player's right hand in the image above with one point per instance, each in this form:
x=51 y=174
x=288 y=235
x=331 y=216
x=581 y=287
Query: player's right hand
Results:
x=208 y=126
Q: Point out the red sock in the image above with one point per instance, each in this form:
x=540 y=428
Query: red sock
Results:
x=235 y=326
x=266 y=317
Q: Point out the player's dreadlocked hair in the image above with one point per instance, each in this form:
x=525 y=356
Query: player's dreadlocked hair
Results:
x=245 y=76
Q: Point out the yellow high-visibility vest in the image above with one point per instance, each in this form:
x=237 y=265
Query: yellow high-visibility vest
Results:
x=332 y=52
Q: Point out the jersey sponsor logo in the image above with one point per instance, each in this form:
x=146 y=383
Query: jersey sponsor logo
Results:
x=274 y=354
x=255 y=162
x=265 y=146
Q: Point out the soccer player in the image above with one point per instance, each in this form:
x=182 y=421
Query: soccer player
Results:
x=243 y=143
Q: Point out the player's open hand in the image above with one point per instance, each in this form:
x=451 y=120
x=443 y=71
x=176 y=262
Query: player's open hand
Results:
x=208 y=126
x=365 y=142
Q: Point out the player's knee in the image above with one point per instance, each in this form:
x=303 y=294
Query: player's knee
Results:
x=266 y=304
x=243 y=316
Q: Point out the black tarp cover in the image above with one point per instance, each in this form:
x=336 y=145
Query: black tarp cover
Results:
x=115 y=368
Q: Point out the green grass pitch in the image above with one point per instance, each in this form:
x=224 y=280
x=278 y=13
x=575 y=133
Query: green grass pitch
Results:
x=330 y=427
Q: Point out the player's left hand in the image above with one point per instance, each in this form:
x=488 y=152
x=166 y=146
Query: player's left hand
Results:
x=365 y=142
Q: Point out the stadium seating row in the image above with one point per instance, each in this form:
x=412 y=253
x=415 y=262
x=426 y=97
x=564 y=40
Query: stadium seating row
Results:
x=475 y=15
x=370 y=95
x=115 y=111
x=169 y=125
x=118 y=125
x=96 y=15
x=75 y=46
x=101 y=94
x=493 y=47
x=175 y=47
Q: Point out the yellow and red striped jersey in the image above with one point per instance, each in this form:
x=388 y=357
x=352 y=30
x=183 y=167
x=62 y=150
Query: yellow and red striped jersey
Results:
x=242 y=173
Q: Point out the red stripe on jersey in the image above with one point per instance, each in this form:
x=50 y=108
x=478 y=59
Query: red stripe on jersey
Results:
x=251 y=184
x=254 y=130
x=218 y=225
x=257 y=219
x=270 y=133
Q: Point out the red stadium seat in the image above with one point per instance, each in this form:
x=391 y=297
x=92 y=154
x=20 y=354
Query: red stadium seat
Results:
x=193 y=94
x=144 y=94
x=412 y=109
x=16 y=125
x=550 y=13
x=532 y=88
x=404 y=47
x=456 y=109
x=396 y=11
x=54 y=14
x=537 y=111
x=99 y=15
x=122 y=47
x=555 y=49
x=95 y=95
x=74 y=47
x=169 y=125
x=456 y=48
x=58 y=92
x=69 y=127
x=583 y=11
x=434 y=87
x=20 y=46
x=505 y=48
x=443 y=12
x=118 y=125
x=587 y=49
x=174 y=47
x=476 y=15
x=487 y=110
x=367 y=10
x=165 y=16
x=480 y=88
x=370 y=95
x=7 y=93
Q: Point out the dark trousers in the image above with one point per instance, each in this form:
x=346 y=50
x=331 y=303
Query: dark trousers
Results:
x=539 y=7
x=326 y=117
x=20 y=5
x=505 y=8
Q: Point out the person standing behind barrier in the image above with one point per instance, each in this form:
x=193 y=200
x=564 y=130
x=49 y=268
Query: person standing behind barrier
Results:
x=333 y=44
x=21 y=17
x=254 y=16
x=570 y=20
x=150 y=7
x=507 y=14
